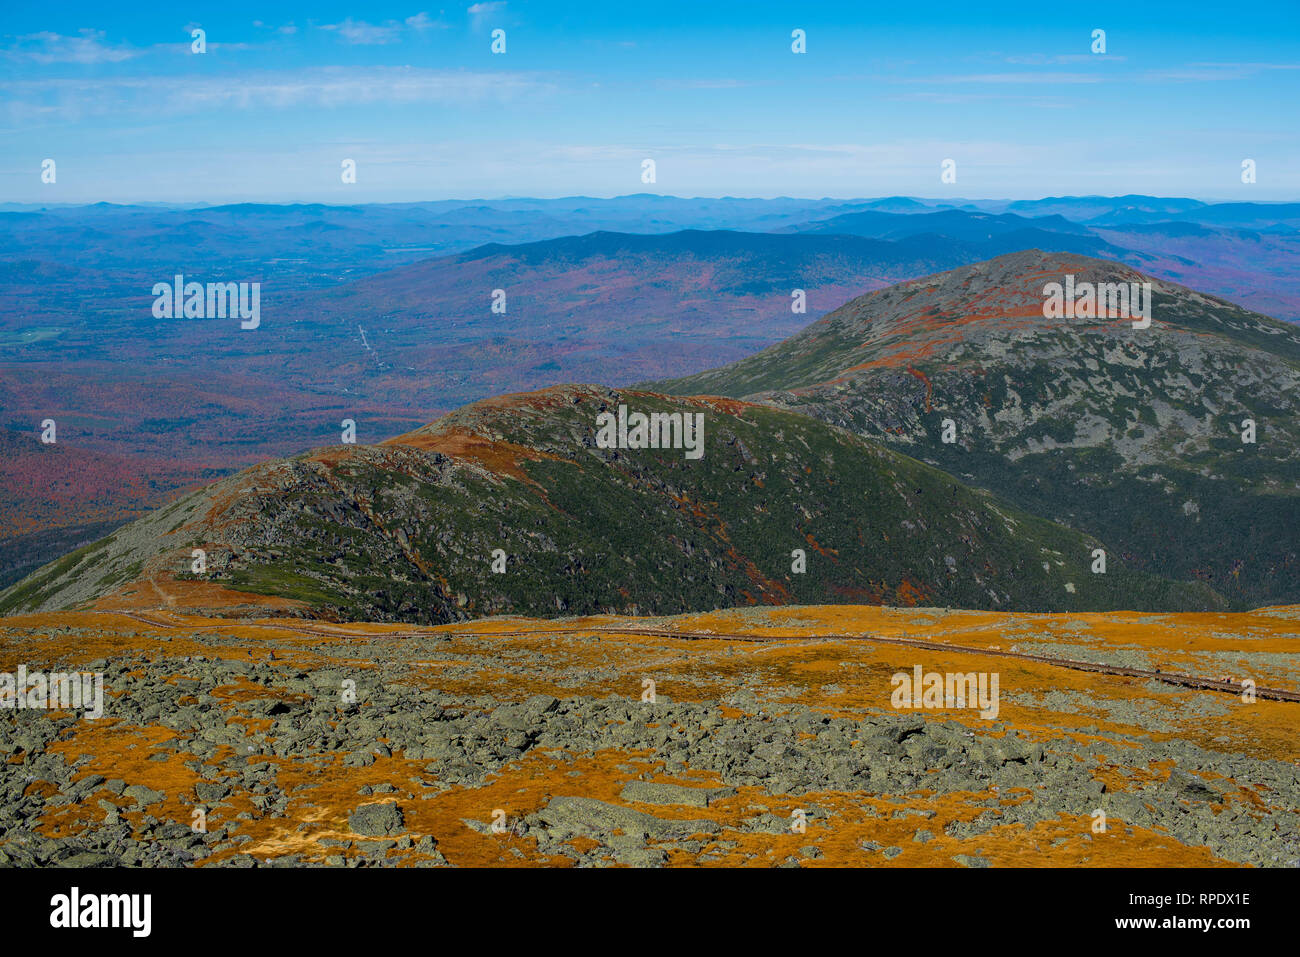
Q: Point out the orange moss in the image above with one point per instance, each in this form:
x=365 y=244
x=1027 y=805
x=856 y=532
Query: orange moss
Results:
x=782 y=648
x=496 y=455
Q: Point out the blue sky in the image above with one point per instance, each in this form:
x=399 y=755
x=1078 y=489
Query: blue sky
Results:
x=587 y=90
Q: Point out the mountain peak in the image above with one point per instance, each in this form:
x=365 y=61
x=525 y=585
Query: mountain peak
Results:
x=1090 y=414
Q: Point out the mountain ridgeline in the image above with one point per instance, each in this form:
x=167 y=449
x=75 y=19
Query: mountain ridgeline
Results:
x=1177 y=444
x=516 y=506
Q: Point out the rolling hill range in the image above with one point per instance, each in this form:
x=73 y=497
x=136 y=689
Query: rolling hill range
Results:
x=318 y=243
x=410 y=529
x=608 y=307
x=1133 y=435
x=1245 y=252
x=970 y=225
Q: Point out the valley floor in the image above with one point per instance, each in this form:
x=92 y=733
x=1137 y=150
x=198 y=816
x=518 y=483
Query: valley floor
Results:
x=771 y=740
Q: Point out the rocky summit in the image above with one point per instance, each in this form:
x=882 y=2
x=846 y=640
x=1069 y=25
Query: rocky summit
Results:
x=1175 y=440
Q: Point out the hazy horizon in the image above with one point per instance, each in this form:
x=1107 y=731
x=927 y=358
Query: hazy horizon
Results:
x=938 y=202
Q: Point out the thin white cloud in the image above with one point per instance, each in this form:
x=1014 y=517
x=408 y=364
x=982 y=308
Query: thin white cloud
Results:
x=328 y=87
x=921 y=153
x=422 y=21
x=1213 y=72
x=721 y=83
x=287 y=29
x=956 y=97
x=481 y=13
x=360 y=33
x=1044 y=59
x=1256 y=67
x=1031 y=79
x=87 y=47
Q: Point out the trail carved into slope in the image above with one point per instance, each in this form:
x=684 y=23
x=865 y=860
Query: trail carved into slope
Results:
x=1167 y=677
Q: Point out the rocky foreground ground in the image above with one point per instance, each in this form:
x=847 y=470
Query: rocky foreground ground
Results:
x=517 y=742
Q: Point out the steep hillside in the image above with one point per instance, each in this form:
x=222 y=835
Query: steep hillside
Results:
x=408 y=530
x=1133 y=435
